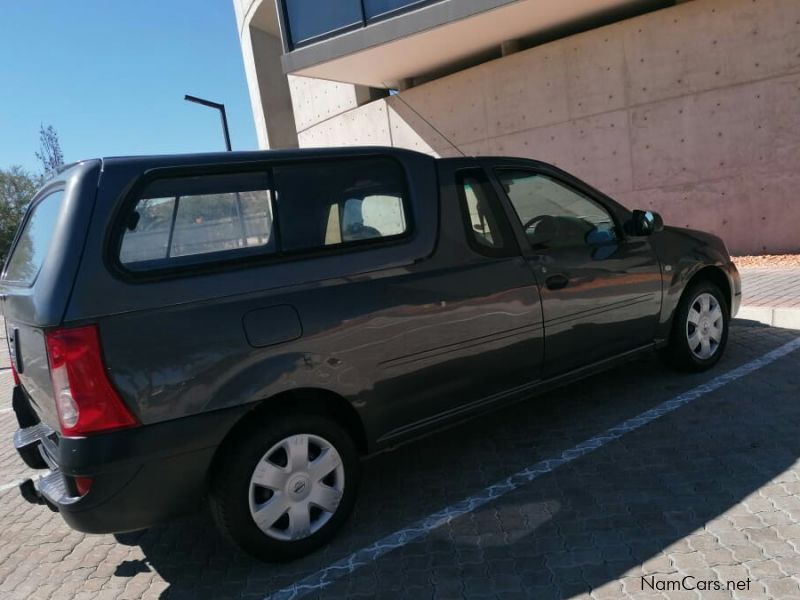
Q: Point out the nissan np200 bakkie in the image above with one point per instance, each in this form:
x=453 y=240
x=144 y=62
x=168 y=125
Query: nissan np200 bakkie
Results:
x=241 y=328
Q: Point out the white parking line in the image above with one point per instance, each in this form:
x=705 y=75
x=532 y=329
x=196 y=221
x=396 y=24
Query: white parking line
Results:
x=14 y=483
x=341 y=568
x=10 y=485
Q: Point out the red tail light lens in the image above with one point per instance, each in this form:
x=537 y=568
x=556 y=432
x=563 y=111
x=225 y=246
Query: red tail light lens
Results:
x=85 y=399
x=14 y=374
x=83 y=485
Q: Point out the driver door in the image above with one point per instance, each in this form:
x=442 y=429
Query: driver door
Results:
x=600 y=290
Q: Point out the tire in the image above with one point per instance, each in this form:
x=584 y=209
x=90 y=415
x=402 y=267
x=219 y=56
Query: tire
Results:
x=699 y=331
x=263 y=472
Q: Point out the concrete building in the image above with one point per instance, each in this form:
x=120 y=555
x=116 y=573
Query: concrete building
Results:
x=690 y=108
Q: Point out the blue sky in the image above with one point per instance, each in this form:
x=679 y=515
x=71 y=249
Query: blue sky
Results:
x=110 y=76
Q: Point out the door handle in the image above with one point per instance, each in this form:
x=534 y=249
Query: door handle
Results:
x=556 y=282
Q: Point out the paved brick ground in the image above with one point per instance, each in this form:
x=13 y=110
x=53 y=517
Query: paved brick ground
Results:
x=774 y=288
x=712 y=490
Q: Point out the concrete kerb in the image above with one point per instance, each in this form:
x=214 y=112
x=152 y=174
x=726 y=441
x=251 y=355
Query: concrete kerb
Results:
x=787 y=318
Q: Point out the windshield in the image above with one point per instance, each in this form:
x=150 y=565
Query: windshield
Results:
x=29 y=253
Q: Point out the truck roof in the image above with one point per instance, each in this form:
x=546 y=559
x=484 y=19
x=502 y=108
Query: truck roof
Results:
x=254 y=155
x=238 y=156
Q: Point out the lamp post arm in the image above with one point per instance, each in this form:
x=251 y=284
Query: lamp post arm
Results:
x=223 y=115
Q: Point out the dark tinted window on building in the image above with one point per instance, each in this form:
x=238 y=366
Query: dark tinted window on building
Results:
x=310 y=19
x=379 y=8
x=334 y=203
x=34 y=241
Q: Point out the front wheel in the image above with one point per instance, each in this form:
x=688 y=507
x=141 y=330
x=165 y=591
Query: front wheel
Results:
x=284 y=488
x=700 y=328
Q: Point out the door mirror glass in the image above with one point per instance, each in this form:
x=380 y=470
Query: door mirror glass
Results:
x=646 y=222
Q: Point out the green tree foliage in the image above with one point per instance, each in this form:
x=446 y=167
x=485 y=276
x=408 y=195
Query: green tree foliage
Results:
x=17 y=187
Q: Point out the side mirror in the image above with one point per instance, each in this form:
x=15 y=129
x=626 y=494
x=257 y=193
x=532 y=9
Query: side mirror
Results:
x=646 y=222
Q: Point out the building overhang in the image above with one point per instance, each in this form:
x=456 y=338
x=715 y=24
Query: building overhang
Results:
x=442 y=36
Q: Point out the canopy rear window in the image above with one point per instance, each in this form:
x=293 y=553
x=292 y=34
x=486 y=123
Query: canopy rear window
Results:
x=187 y=220
x=33 y=243
x=292 y=208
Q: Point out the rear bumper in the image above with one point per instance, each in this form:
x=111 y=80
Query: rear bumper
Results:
x=128 y=500
x=139 y=477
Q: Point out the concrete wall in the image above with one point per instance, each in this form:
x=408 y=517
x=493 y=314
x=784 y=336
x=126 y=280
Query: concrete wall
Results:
x=693 y=111
x=283 y=106
x=270 y=96
x=316 y=100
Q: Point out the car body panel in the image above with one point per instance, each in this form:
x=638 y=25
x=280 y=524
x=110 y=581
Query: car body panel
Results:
x=397 y=342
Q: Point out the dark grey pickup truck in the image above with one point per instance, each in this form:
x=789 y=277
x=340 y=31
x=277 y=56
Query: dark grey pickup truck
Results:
x=242 y=327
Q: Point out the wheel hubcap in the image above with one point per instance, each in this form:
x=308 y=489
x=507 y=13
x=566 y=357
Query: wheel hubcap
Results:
x=296 y=487
x=704 y=326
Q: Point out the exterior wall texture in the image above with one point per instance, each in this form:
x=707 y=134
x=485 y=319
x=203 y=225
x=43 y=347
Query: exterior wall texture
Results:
x=693 y=111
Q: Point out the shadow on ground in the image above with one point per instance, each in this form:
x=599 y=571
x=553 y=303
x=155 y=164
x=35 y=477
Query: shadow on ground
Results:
x=582 y=526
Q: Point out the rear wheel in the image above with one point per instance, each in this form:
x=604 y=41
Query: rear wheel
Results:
x=283 y=489
x=700 y=328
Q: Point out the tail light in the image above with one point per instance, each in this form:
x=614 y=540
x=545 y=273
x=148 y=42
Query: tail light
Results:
x=14 y=373
x=83 y=485
x=85 y=399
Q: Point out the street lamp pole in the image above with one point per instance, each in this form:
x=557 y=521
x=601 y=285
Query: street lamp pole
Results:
x=223 y=116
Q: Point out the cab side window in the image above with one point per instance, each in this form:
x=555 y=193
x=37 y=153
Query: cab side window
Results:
x=553 y=214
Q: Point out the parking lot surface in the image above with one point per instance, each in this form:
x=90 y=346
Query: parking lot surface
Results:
x=707 y=492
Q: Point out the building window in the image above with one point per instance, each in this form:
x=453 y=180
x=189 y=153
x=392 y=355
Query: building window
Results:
x=307 y=21
x=375 y=9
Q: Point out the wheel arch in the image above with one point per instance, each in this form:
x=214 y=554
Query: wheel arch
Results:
x=674 y=350
x=308 y=401
x=715 y=275
x=677 y=289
